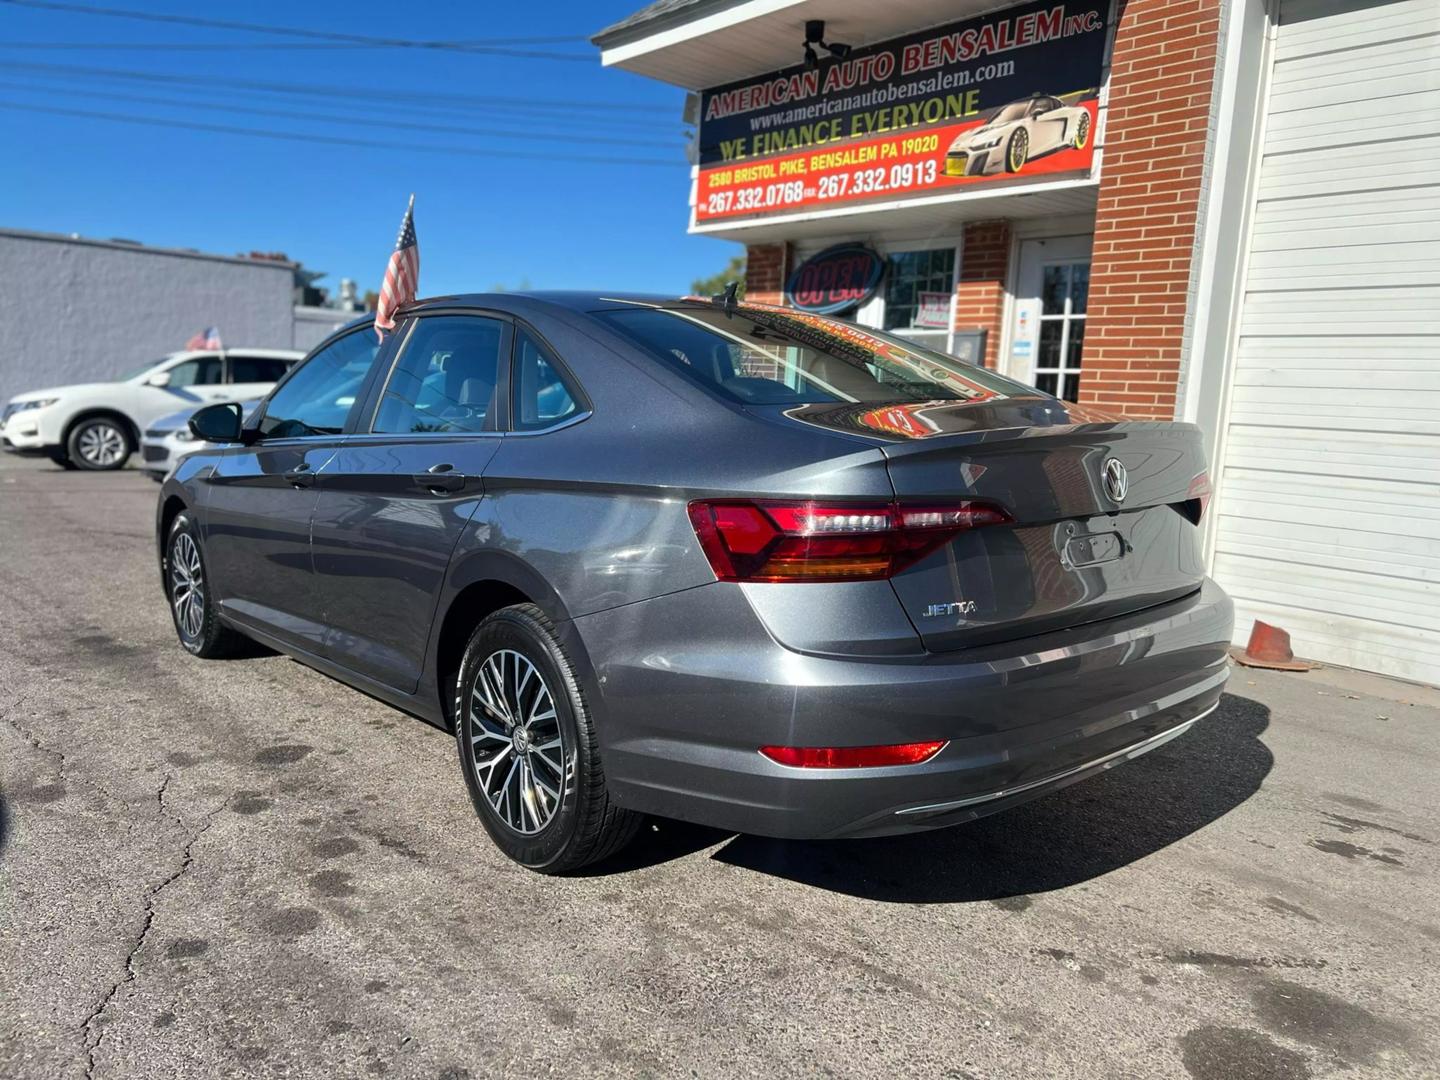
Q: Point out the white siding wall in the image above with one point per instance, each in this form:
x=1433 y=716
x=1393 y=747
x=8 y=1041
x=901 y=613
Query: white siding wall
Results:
x=1328 y=513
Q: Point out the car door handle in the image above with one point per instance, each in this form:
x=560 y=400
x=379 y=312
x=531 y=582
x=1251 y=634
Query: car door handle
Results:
x=440 y=479
x=301 y=476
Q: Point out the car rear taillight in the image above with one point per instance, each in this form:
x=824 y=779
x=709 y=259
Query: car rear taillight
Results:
x=852 y=757
x=1200 y=491
x=767 y=540
x=1197 y=499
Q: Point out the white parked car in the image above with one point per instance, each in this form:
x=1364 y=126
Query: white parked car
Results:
x=169 y=439
x=98 y=425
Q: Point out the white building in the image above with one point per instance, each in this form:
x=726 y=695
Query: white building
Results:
x=79 y=310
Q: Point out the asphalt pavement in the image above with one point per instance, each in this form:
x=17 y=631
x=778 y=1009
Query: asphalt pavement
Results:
x=244 y=868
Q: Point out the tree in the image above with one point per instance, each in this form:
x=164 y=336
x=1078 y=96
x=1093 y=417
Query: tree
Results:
x=712 y=286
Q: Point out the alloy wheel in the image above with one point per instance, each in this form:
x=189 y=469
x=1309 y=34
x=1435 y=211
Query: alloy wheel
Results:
x=516 y=741
x=187 y=585
x=1019 y=150
x=102 y=445
x=1082 y=132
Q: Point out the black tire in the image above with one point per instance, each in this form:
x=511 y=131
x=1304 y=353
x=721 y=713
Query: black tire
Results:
x=1017 y=150
x=1082 y=132
x=59 y=457
x=584 y=825
x=99 y=444
x=201 y=633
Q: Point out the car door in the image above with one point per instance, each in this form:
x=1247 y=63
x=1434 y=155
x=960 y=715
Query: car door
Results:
x=1047 y=126
x=191 y=383
x=260 y=496
x=397 y=496
x=250 y=376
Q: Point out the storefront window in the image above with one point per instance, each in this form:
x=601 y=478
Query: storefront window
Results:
x=908 y=275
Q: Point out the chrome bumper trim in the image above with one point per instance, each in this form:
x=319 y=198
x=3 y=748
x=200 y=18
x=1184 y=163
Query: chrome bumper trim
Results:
x=1108 y=761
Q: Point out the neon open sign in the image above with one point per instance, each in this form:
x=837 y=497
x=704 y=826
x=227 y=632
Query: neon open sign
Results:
x=837 y=279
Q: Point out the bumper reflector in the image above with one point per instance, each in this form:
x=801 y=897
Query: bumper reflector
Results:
x=852 y=757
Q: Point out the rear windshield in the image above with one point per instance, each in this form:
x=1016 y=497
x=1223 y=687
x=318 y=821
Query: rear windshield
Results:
x=778 y=357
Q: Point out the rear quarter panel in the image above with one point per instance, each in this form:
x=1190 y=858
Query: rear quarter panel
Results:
x=598 y=509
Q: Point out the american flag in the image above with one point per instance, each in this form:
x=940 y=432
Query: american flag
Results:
x=209 y=338
x=402 y=275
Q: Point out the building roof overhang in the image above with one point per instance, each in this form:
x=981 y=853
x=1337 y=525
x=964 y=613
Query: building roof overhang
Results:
x=698 y=44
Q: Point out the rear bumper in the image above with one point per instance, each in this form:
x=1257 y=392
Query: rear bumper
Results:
x=690 y=686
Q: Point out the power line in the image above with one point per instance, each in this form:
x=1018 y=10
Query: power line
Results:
x=335 y=140
x=265 y=46
x=314 y=90
x=407 y=125
x=102 y=87
x=471 y=45
x=558 y=125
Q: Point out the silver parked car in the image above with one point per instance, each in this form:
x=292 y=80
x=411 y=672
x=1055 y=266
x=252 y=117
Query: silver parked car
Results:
x=1016 y=133
x=165 y=440
x=740 y=565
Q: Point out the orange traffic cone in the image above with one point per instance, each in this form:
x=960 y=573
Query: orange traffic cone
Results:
x=1269 y=647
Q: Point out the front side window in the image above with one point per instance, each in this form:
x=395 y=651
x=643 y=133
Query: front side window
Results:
x=446 y=378
x=257 y=369
x=317 y=399
x=138 y=370
x=201 y=371
x=543 y=397
x=763 y=356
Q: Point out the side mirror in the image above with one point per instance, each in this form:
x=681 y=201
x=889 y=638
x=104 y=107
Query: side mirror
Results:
x=217 y=423
x=160 y=378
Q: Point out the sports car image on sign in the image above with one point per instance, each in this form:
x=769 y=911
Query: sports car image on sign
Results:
x=1017 y=133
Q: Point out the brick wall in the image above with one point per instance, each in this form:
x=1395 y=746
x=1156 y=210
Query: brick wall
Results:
x=1156 y=134
x=765 y=266
x=980 y=285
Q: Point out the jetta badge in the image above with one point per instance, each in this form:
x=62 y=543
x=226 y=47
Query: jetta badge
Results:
x=956 y=607
x=1117 y=480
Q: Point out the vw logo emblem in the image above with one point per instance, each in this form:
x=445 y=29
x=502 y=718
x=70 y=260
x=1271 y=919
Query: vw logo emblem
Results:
x=1117 y=480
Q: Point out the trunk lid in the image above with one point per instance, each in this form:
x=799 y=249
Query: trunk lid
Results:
x=1076 y=553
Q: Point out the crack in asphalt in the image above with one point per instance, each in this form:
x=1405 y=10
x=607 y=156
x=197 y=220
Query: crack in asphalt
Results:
x=93 y=1039
x=25 y=733
x=62 y=761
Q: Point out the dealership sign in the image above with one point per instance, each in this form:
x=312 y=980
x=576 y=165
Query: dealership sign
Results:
x=1009 y=94
x=837 y=279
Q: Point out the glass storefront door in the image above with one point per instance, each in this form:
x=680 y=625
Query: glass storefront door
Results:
x=1047 y=334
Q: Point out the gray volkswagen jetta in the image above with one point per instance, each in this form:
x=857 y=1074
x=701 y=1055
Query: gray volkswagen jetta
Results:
x=734 y=564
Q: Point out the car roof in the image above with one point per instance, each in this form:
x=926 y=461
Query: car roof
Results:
x=573 y=300
x=242 y=350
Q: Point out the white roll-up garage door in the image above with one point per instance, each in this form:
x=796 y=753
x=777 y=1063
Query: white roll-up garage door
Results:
x=1328 y=510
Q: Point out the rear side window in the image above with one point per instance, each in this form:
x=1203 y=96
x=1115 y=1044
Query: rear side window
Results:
x=202 y=371
x=317 y=399
x=543 y=396
x=764 y=356
x=257 y=369
x=446 y=378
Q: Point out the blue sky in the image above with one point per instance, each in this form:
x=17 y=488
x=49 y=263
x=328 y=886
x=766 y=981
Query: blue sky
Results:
x=483 y=219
